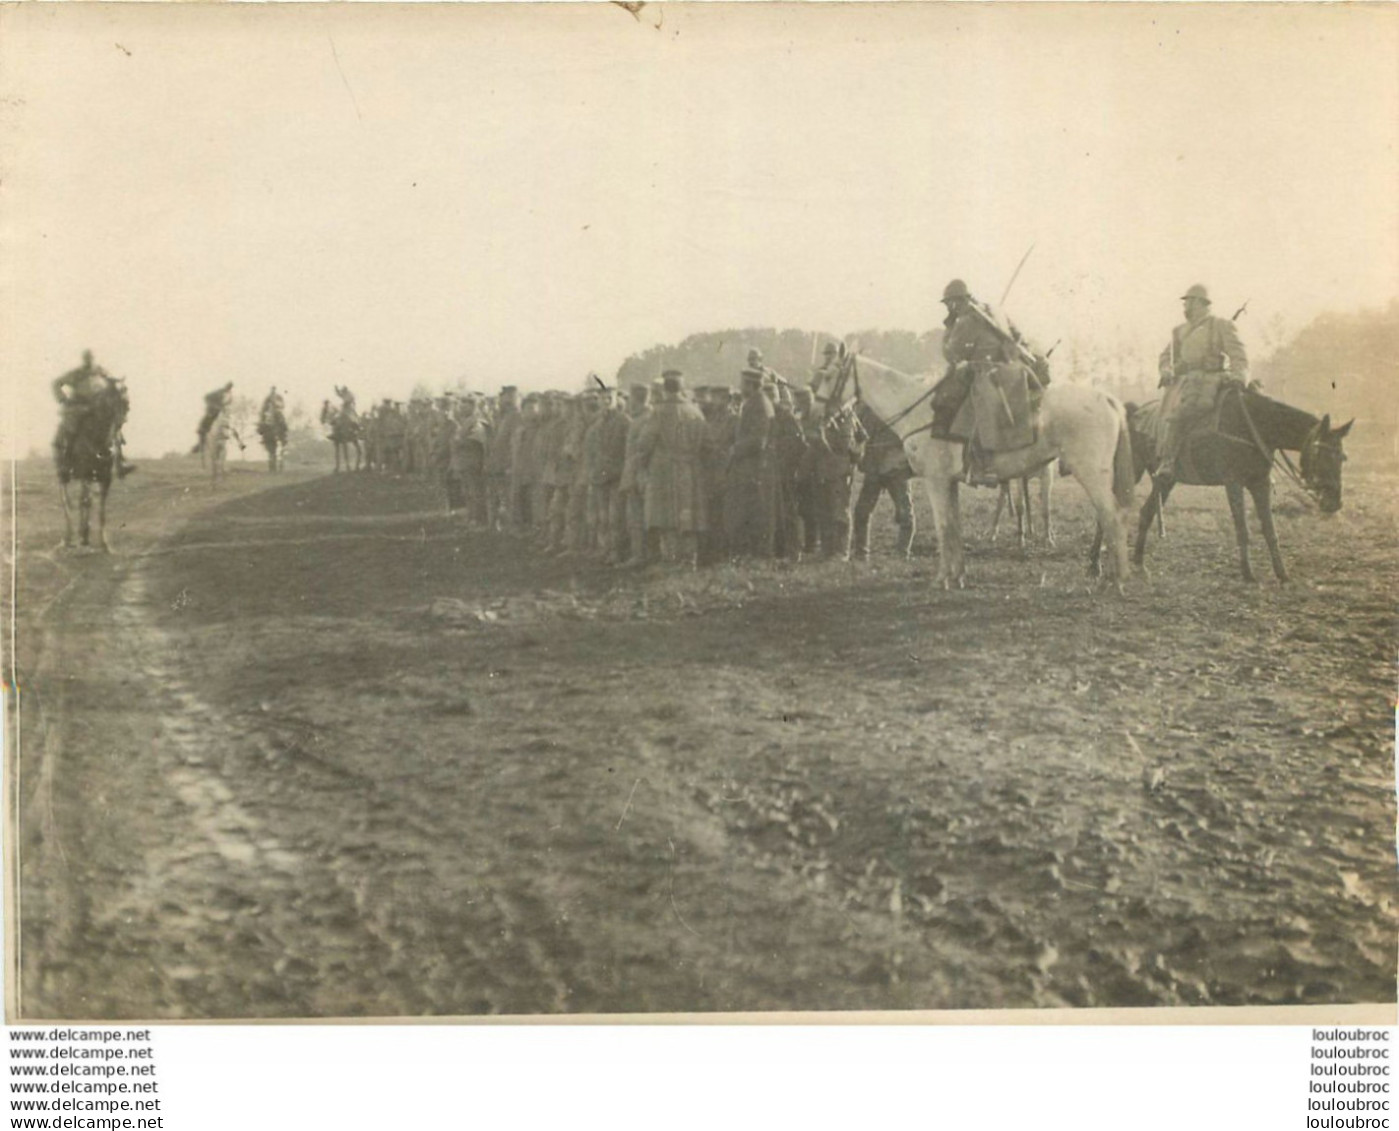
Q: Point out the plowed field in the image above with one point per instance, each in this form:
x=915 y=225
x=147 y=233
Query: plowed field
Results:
x=308 y=748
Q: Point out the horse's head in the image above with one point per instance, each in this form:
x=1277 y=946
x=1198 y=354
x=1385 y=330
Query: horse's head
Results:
x=1322 y=457
x=835 y=383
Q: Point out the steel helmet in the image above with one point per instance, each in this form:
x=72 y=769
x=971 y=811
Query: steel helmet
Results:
x=1200 y=291
x=955 y=289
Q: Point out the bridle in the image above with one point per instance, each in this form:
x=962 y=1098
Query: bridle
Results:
x=850 y=373
x=1278 y=458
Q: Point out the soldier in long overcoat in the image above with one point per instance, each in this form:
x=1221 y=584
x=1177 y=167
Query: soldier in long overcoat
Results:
x=750 y=497
x=668 y=454
x=1205 y=349
x=632 y=485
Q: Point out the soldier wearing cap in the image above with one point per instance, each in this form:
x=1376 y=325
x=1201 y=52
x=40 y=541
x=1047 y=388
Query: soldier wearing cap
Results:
x=547 y=444
x=719 y=422
x=632 y=485
x=789 y=449
x=750 y=495
x=470 y=439
x=809 y=418
x=668 y=455
x=505 y=425
x=578 y=534
x=1204 y=351
x=522 y=467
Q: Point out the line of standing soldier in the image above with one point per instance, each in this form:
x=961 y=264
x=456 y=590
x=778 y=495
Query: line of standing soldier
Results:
x=672 y=476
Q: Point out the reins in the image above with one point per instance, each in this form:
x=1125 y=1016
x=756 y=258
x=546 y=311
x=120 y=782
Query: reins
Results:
x=852 y=371
x=1271 y=455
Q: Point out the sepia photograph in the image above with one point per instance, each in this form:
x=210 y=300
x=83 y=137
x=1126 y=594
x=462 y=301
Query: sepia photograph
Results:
x=681 y=511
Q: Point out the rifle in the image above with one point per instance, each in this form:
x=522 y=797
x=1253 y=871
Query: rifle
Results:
x=1239 y=313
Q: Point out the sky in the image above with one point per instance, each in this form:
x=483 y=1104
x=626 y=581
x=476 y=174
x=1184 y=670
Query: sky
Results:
x=383 y=196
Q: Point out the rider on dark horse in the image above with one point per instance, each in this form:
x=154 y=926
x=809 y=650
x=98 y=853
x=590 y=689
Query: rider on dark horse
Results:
x=273 y=406
x=79 y=391
x=214 y=403
x=1205 y=353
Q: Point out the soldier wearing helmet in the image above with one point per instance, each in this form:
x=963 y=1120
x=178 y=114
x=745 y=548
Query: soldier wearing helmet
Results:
x=1204 y=351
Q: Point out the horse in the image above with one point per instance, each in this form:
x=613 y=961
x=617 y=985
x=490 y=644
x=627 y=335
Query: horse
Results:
x=1238 y=453
x=216 y=445
x=1142 y=431
x=272 y=428
x=343 y=426
x=1085 y=427
x=85 y=452
x=1024 y=515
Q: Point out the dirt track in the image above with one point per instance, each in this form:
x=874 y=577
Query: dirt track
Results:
x=315 y=751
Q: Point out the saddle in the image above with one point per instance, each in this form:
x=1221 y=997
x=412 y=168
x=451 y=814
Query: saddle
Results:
x=1199 y=412
x=992 y=410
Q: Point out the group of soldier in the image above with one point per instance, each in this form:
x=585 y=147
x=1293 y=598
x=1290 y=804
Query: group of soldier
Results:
x=658 y=473
x=667 y=473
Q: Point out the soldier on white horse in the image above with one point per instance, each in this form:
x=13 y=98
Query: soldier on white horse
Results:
x=993 y=397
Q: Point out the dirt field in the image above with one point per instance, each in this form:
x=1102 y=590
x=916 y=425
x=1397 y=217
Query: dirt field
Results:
x=306 y=748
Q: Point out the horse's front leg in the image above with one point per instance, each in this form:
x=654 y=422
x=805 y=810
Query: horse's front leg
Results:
x=1002 y=499
x=102 y=491
x=1046 y=491
x=85 y=513
x=67 y=516
x=1236 y=508
x=1263 y=501
x=1150 y=509
x=942 y=494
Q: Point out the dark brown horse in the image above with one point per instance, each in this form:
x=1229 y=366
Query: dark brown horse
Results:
x=1237 y=454
x=85 y=453
x=272 y=428
x=343 y=426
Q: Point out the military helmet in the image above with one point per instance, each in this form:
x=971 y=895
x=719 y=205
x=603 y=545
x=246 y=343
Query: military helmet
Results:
x=1200 y=291
x=955 y=289
x=831 y=349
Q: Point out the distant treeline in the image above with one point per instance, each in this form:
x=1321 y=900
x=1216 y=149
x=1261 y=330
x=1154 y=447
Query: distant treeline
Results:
x=1346 y=365
x=718 y=357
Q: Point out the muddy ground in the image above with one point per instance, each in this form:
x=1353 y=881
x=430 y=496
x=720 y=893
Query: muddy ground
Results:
x=305 y=748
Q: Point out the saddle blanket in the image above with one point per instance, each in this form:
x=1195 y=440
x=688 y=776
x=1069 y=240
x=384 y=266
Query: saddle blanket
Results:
x=998 y=414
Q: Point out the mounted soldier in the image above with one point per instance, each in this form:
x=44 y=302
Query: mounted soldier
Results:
x=993 y=378
x=1205 y=353
x=78 y=392
x=272 y=426
x=214 y=403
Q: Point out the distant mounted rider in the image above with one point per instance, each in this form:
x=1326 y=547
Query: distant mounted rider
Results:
x=1205 y=351
x=347 y=401
x=78 y=391
x=215 y=402
x=273 y=409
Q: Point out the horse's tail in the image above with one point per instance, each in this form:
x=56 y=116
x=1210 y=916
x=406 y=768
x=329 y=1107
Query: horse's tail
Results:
x=1124 y=469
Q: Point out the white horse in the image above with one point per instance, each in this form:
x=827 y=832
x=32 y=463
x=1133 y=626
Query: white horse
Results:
x=216 y=445
x=1084 y=427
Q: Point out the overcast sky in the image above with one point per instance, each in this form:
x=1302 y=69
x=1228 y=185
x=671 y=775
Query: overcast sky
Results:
x=312 y=195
